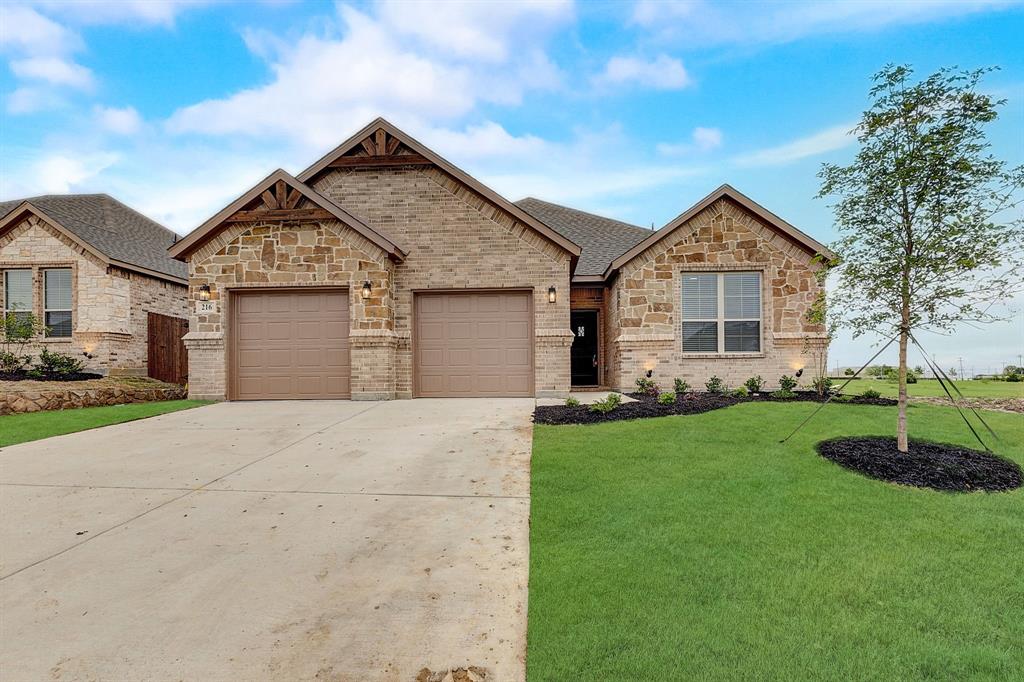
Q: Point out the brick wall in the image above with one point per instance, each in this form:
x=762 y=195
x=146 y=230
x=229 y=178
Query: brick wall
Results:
x=104 y=299
x=643 y=302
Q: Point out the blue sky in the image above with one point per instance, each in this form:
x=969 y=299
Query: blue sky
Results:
x=633 y=110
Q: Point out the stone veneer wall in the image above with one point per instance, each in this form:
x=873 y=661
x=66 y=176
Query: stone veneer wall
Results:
x=457 y=239
x=275 y=254
x=108 y=303
x=15 y=399
x=643 y=302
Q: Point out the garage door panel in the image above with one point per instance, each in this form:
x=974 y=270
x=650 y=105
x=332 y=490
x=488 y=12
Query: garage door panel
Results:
x=291 y=344
x=473 y=344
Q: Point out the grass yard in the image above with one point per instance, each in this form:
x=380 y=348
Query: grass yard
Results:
x=21 y=428
x=698 y=547
x=972 y=388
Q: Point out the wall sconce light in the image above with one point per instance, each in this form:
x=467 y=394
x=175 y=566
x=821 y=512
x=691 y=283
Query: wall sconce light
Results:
x=88 y=354
x=799 y=372
x=552 y=294
x=367 y=289
x=204 y=292
x=650 y=373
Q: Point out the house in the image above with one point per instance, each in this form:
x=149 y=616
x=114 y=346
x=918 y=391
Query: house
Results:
x=383 y=271
x=93 y=270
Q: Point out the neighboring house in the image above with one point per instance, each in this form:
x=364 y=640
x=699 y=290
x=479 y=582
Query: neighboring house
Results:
x=92 y=270
x=383 y=271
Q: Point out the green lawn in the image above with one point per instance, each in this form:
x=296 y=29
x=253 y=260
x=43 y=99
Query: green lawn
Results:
x=698 y=547
x=972 y=388
x=21 y=428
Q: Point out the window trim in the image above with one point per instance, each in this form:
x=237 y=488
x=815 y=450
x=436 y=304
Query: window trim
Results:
x=70 y=310
x=720 y=271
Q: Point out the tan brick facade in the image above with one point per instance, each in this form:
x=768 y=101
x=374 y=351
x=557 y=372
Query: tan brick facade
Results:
x=109 y=304
x=644 y=302
x=455 y=240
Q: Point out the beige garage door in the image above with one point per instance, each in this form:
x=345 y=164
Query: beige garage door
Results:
x=291 y=344
x=474 y=344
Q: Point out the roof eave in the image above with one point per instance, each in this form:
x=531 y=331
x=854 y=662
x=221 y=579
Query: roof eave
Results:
x=28 y=207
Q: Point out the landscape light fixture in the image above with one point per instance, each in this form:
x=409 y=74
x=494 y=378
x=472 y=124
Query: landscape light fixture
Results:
x=204 y=292
x=552 y=294
x=367 y=289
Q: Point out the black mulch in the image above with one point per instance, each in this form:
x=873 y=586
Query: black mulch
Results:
x=688 y=403
x=23 y=376
x=927 y=465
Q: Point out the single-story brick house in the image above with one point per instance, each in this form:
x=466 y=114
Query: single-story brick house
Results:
x=383 y=271
x=92 y=269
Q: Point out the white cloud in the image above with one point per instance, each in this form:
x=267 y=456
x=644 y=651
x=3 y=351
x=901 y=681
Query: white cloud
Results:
x=123 y=121
x=830 y=139
x=22 y=29
x=480 y=30
x=323 y=84
x=53 y=70
x=703 y=140
x=661 y=73
x=150 y=12
x=27 y=100
x=60 y=173
x=704 y=23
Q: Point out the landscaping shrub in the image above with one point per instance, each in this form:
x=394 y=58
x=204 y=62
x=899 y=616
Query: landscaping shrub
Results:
x=754 y=384
x=572 y=402
x=739 y=392
x=822 y=385
x=787 y=383
x=871 y=393
x=784 y=394
x=12 y=362
x=55 y=365
x=842 y=398
x=911 y=378
x=666 y=398
x=608 y=404
x=714 y=385
x=681 y=386
x=646 y=385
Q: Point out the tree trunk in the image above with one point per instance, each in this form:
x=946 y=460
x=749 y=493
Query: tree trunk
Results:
x=901 y=419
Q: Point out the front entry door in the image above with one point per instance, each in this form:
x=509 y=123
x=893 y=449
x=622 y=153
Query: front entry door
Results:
x=584 y=347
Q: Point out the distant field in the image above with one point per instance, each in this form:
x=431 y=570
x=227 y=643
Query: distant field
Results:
x=972 y=388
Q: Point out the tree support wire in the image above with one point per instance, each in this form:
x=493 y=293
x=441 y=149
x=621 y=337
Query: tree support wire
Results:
x=829 y=398
x=940 y=375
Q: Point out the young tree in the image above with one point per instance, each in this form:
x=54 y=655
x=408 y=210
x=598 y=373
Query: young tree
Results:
x=927 y=239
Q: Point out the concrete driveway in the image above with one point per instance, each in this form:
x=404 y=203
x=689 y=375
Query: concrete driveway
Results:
x=279 y=540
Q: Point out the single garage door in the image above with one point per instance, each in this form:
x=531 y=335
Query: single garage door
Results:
x=474 y=344
x=291 y=344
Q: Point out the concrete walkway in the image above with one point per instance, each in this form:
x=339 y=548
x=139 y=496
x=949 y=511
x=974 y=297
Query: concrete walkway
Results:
x=282 y=540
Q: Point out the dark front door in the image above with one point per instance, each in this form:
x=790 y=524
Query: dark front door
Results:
x=584 y=347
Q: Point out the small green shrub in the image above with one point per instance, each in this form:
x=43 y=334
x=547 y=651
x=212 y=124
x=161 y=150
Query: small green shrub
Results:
x=787 y=383
x=1015 y=378
x=714 y=385
x=754 y=384
x=12 y=362
x=822 y=385
x=681 y=386
x=871 y=393
x=667 y=398
x=911 y=378
x=572 y=402
x=784 y=395
x=646 y=385
x=842 y=398
x=740 y=392
x=607 y=405
x=57 y=365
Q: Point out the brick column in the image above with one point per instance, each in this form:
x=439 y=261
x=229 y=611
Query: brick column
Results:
x=553 y=363
x=373 y=363
x=207 y=369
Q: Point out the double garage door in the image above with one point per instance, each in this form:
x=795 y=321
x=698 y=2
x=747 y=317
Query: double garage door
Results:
x=294 y=344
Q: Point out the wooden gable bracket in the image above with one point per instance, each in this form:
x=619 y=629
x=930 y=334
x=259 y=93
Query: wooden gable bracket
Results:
x=279 y=203
x=379 y=149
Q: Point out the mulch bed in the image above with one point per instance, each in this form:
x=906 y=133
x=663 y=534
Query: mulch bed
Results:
x=688 y=403
x=927 y=465
x=23 y=376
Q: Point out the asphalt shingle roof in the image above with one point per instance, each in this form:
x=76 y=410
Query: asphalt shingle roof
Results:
x=602 y=239
x=111 y=228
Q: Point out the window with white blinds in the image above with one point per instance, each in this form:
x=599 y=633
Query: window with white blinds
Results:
x=18 y=292
x=721 y=312
x=57 y=302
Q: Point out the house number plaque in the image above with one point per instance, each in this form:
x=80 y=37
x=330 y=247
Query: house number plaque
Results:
x=205 y=307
